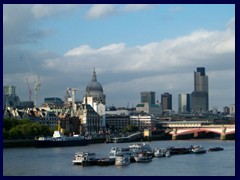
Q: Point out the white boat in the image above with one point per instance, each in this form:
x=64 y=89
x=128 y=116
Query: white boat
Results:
x=113 y=152
x=117 y=151
x=138 y=148
x=168 y=153
x=85 y=158
x=142 y=157
x=198 y=149
x=122 y=160
x=161 y=152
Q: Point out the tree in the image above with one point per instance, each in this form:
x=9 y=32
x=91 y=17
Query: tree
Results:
x=17 y=129
x=5 y=134
x=9 y=123
x=130 y=128
x=15 y=133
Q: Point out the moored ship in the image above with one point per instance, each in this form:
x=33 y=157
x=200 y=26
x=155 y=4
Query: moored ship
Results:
x=59 y=140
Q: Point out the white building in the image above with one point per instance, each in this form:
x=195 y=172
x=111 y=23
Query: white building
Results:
x=232 y=109
x=96 y=98
x=183 y=103
x=143 y=121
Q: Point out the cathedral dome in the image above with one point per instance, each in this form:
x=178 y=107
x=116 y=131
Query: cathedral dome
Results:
x=94 y=85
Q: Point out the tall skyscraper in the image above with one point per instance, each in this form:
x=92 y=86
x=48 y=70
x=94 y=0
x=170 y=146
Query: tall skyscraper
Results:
x=183 y=103
x=148 y=97
x=199 y=97
x=148 y=103
x=10 y=99
x=166 y=100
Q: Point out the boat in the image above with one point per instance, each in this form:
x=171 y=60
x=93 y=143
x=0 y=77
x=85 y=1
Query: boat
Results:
x=113 y=152
x=215 y=149
x=105 y=162
x=121 y=151
x=168 y=153
x=141 y=147
x=180 y=150
x=59 y=140
x=161 y=152
x=142 y=157
x=122 y=160
x=85 y=158
x=198 y=149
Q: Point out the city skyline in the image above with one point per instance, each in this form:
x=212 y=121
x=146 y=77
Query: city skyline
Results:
x=134 y=48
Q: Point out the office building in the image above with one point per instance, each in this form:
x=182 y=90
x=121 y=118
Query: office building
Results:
x=183 y=103
x=148 y=97
x=166 y=100
x=10 y=99
x=148 y=104
x=199 y=97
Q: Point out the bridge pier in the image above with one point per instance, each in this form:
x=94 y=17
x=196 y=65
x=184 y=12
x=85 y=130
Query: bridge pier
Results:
x=174 y=135
x=223 y=135
x=195 y=134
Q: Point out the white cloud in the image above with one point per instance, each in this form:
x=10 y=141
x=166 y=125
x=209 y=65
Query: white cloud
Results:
x=231 y=24
x=136 y=7
x=101 y=10
x=166 y=65
x=87 y=50
x=198 y=47
x=176 y=9
x=46 y=10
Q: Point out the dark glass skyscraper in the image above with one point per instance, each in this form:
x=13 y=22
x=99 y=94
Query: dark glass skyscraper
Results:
x=199 y=97
x=166 y=100
x=148 y=97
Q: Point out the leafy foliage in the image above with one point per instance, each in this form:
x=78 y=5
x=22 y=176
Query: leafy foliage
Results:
x=130 y=128
x=23 y=129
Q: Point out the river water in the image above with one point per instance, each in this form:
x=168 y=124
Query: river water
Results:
x=58 y=161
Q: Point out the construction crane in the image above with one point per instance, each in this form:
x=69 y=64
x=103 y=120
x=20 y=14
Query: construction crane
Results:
x=36 y=88
x=72 y=91
x=29 y=90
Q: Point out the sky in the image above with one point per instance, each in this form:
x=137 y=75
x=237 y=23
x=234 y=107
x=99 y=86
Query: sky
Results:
x=133 y=48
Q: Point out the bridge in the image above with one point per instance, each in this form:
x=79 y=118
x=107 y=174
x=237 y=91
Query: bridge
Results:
x=129 y=138
x=177 y=128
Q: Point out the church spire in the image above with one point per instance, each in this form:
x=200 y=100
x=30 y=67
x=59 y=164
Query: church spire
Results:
x=94 y=76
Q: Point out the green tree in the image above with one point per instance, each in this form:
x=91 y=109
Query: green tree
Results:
x=16 y=129
x=15 y=133
x=130 y=128
x=5 y=134
x=9 y=123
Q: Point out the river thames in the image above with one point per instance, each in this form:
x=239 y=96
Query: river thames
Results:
x=58 y=161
